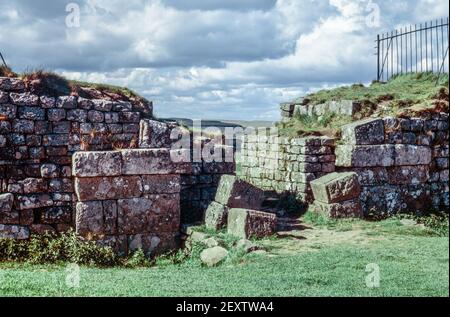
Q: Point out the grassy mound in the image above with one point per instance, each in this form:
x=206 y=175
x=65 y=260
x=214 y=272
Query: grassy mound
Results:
x=409 y=95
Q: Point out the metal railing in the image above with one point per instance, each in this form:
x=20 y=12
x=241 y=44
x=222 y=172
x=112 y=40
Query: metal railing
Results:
x=3 y=60
x=419 y=48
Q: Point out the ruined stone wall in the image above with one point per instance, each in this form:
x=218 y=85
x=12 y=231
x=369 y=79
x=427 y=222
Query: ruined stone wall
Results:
x=286 y=166
x=38 y=135
x=402 y=163
x=199 y=185
x=129 y=199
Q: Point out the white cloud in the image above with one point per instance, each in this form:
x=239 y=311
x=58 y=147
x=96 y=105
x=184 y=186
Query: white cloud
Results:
x=212 y=59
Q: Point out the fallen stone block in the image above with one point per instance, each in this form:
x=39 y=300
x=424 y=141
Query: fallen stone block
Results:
x=14 y=232
x=216 y=216
x=247 y=224
x=345 y=209
x=365 y=155
x=235 y=193
x=213 y=256
x=6 y=202
x=364 y=132
x=92 y=164
x=336 y=187
x=105 y=188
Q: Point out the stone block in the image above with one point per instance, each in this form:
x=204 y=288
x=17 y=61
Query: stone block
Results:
x=134 y=215
x=336 y=187
x=412 y=155
x=365 y=155
x=345 y=209
x=6 y=202
x=49 y=171
x=106 y=188
x=161 y=184
x=23 y=126
x=213 y=256
x=56 y=115
x=102 y=104
x=14 y=232
x=11 y=84
x=67 y=102
x=147 y=162
x=89 y=219
x=154 y=134
x=95 y=116
x=408 y=175
x=77 y=115
x=216 y=216
x=91 y=164
x=47 y=102
x=236 y=193
x=33 y=185
x=31 y=113
x=7 y=110
x=10 y=218
x=24 y=99
x=365 y=132
x=56 y=215
x=245 y=223
x=34 y=201
x=110 y=216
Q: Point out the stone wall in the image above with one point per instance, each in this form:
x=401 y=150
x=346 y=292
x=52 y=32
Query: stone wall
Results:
x=129 y=199
x=302 y=107
x=286 y=166
x=199 y=186
x=38 y=135
x=402 y=163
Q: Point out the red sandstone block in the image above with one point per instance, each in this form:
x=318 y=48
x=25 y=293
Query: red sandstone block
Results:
x=105 y=188
x=91 y=164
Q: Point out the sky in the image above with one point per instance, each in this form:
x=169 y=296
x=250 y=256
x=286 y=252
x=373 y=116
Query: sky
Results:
x=207 y=59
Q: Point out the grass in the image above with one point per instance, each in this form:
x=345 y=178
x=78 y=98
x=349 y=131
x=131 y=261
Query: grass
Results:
x=305 y=125
x=412 y=260
x=411 y=88
x=5 y=71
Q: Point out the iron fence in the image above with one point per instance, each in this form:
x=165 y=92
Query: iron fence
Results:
x=419 y=48
x=3 y=60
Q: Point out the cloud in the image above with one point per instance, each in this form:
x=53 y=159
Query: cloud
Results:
x=212 y=59
x=236 y=5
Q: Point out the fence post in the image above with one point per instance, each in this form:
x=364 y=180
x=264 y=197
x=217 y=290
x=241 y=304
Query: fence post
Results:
x=3 y=60
x=378 y=57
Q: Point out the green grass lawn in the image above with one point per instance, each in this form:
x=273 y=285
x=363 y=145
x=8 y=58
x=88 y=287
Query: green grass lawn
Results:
x=412 y=262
